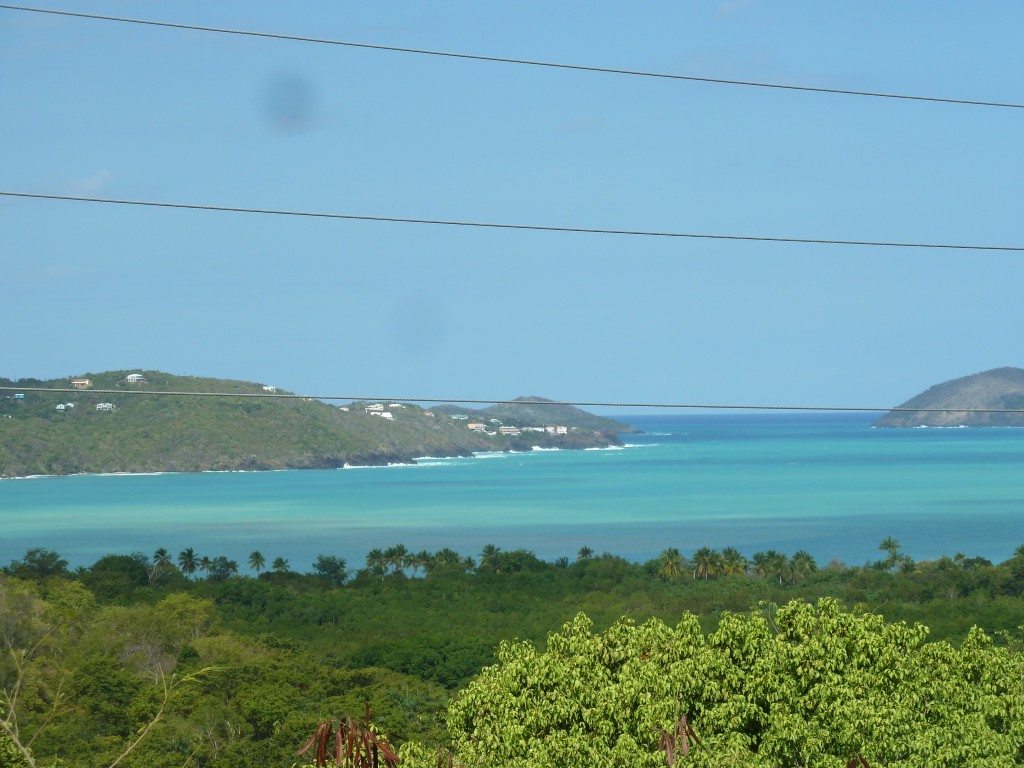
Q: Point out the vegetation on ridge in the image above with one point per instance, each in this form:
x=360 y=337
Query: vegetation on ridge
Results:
x=191 y=434
x=1000 y=389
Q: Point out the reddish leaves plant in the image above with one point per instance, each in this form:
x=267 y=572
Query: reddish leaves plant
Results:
x=677 y=741
x=355 y=745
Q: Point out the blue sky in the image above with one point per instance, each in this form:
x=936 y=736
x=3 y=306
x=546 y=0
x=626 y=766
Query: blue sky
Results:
x=323 y=307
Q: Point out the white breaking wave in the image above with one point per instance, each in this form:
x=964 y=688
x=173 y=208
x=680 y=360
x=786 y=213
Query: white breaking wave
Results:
x=133 y=474
x=376 y=466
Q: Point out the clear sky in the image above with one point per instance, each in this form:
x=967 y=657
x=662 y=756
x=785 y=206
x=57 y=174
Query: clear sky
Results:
x=354 y=308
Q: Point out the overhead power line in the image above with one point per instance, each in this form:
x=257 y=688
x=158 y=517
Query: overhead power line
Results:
x=497 y=225
x=507 y=60
x=461 y=401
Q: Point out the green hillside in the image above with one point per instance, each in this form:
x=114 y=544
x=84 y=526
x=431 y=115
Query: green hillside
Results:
x=171 y=433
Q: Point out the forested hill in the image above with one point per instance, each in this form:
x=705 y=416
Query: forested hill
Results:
x=536 y=411
x=90 y=431
x=998 y=389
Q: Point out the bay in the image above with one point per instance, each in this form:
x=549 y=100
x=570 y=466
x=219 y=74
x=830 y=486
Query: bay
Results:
x=826 y=483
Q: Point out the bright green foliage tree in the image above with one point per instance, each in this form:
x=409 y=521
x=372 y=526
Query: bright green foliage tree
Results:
x=330 y=568
x=10 y=755
x=799 y=686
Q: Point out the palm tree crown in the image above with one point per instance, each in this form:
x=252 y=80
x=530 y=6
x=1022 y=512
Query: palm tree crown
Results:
x=671 y=563
x=257 y=562
x=187 y=562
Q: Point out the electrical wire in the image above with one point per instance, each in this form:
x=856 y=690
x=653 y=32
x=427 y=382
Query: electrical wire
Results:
x=506 y=60
x=526 y=227
x=459 y=401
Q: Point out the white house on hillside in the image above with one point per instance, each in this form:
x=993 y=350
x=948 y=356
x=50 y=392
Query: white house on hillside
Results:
x=135 y=378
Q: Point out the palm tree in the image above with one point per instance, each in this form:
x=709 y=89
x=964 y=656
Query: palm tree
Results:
x=778 y=565
x=161 y=565
x=280 y=565
x=892 y=547
x=733 y=563
x=671 y=563
x=446 y=558
x=257 y=562
x=205 y=564
x=802 y=564
x=161 y=558
x=187 y=562
x=487 y=556
x=395 y=557
x=585 y=553
x=374 y=558
x=420 y=560
x=562 y=562
x=761 y=563
x=705 y=561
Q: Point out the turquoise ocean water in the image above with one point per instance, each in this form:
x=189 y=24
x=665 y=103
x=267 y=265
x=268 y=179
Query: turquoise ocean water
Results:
x=825 y=483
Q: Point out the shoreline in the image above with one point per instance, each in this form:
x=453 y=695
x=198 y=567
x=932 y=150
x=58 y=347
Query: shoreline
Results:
x=372 y=462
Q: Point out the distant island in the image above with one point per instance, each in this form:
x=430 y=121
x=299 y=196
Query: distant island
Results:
x=998 y=389
x=104 y=425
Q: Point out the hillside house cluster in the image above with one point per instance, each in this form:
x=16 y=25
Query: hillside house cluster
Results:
x=512 y=431
x=81 y=383
x=105 y=406
x=377 y=409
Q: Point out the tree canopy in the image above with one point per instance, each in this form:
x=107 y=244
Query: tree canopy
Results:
x=807 y=685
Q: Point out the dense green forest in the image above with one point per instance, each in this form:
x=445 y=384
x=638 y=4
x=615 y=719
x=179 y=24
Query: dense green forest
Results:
x=500 y=658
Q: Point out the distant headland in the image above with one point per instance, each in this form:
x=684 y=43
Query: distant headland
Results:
x=102 y=422
x=1000 y=389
